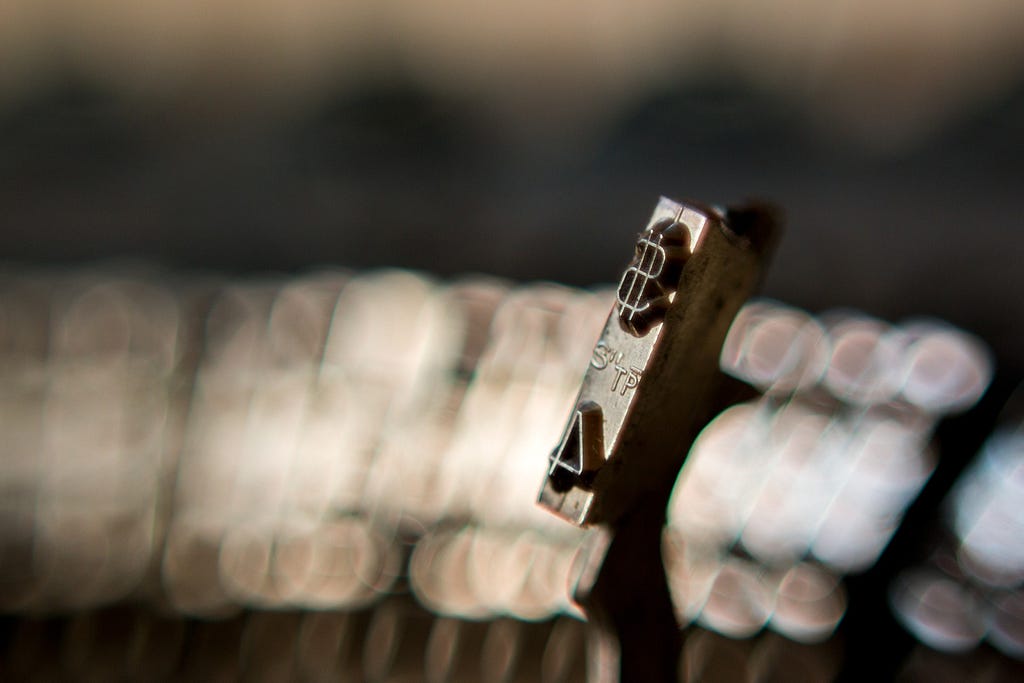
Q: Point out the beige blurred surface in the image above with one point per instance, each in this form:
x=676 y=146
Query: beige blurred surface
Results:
x=877 y=73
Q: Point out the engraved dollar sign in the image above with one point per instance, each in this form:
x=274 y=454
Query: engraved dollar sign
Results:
x=642 y=296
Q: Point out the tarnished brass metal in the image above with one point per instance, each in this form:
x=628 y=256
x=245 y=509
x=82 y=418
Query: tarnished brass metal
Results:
x=652 y=384
x=645 y=395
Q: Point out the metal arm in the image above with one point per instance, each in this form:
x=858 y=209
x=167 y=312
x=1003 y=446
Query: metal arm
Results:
x=652 y=385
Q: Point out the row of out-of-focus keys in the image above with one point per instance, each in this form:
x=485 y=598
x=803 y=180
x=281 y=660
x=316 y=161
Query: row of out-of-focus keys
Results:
x=424 y=405
x=783 y=495
x=282 y=443
x=89 y=416
x=923 y=367
x=322 y=441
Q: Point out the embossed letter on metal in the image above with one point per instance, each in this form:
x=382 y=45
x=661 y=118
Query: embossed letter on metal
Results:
x=649 y=281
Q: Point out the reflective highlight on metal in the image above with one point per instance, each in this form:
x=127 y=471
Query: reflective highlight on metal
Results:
x=651 y=386
x=986 y=515
x=655 y=362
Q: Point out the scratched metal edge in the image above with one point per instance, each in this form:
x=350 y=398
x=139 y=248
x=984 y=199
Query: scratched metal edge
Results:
x=574 y=505
x=726 y=261
x=721 y=274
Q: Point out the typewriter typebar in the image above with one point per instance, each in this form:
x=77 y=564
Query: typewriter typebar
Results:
x=653 y=375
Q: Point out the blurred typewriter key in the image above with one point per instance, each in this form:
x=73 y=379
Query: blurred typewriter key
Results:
x=550 y=572
x=300 y=317
x=702 y=508
x=497 y=567
x=213 y=465
x=865 y=360
x=388 y=356
x=409 y=456
x=740 y=601
x=510 y=400
x=691 y=571
x=190 y=571
x=439 y=574
x=940 y=612
x=776 y=348
x=478 y=299
x=243 y=566
x=809 y=604
x=114 y=344
x=1005 y=616
x=510 y=574
x=945 y=370
x=386 y=367
x=985 y=512
x=342 y=563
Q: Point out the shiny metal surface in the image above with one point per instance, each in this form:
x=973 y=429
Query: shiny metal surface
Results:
x=655 y=362
x=651 y=386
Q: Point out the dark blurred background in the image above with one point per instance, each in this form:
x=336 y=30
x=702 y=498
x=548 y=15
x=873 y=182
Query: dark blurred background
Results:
x=525 y=140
